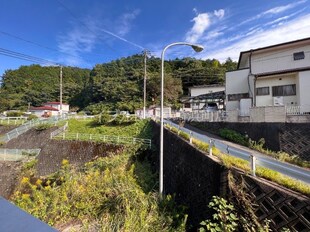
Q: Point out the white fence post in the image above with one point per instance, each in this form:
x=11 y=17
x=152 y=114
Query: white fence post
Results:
x=211 y=144
x=190 y=137
x=253 y=165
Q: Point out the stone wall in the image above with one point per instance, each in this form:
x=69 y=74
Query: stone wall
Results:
x=195 y=177
x=292 y=138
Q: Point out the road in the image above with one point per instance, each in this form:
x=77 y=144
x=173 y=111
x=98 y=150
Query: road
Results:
x=287 y=169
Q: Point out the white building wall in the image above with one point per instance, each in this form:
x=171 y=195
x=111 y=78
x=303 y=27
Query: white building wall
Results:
x=267 y=100
x=65 y=107
x=279 y=60
x=236 y=82
x=196 y=91
x=304 y=87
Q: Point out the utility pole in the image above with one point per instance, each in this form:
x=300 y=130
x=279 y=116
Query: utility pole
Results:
x=60 y=91
x=145 y=53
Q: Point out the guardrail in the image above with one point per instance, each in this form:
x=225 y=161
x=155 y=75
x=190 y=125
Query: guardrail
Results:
x=17 y=154
x=101 y=138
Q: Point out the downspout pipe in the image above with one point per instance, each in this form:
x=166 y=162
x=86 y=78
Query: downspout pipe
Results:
x=250 y=74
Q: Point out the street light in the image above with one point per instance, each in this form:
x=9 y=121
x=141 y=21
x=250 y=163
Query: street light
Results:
x=197 y=48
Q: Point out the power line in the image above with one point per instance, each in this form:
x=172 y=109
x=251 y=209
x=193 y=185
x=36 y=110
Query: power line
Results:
x=25 y=57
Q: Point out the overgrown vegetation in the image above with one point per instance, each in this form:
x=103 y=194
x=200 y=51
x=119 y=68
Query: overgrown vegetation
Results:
x=109 y=194
x=280 y=155
x=224 y=218
x=43 y=126
x=234 y=136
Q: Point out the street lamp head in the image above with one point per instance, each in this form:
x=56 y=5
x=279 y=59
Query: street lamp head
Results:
x=197 y=48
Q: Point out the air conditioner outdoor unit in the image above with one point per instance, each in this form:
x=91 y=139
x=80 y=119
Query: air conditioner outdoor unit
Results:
x=278 y=101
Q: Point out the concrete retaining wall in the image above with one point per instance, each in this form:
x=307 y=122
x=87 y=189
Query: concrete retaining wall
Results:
x=194 y=178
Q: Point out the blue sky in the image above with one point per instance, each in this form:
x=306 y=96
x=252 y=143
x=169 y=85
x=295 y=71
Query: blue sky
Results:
x=87 y=32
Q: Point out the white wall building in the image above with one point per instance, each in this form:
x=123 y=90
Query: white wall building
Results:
x=277 y=75
x=201 y=95
x=65 y=107
x=49 y=109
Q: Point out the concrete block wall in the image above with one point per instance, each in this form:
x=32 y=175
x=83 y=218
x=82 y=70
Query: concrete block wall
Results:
x=194 y=178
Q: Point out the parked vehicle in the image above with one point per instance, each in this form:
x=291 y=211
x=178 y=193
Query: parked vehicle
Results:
x=211 y=107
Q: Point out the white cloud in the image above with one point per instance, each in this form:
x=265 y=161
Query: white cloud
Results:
x=279 y=9
x=125 y=22
x=201 y=23
x=76 y=41
x=219 y=13
x=275 y=10
x=293 y=30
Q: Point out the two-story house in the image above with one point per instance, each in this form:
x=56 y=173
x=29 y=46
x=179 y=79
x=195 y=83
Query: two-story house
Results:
x=277 y=75
x=203 y=95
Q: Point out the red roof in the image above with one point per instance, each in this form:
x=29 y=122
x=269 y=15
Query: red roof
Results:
x=44 y=108
x=54 y=103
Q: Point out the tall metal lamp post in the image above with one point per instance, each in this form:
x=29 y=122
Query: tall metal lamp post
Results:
x=197 y=48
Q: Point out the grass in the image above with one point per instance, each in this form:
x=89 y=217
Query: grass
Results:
x=230 y=161
x=140 y=128
x=116 y=193
x=12 y=122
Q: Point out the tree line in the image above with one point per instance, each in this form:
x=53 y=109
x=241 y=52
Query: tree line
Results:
x=114 y=85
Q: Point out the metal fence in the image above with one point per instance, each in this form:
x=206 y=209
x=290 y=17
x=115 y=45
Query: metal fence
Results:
x=102 y=138
x=17 y=154
x=26 y=126
x=298 y=110
x=13 y=120
x=202 y=116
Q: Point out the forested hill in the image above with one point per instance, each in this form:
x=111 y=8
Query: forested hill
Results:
x=117 y=84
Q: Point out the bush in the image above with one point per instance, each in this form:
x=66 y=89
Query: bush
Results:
x=119 y=119
x=14 y=114
x=103 y=118
x=224 y=218
x=234 y=136
x=32 y=116
x=43 y=126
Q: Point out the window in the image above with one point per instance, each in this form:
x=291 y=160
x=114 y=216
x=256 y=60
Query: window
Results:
x=262 y=91
x=283 y=90
x=237 y=96
x=299 y=56
x=187 y=105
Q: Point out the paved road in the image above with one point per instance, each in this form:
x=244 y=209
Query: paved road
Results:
x=244 y=153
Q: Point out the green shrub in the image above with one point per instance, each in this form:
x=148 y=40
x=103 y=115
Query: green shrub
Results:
x=32 y=116
x=119 y=119
x=234 y=136
x=14 y=114
x=103 y=118
x=43 y=126
x=224 y=218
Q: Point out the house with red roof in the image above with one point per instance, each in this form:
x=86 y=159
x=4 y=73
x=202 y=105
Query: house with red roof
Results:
x=50 y=109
